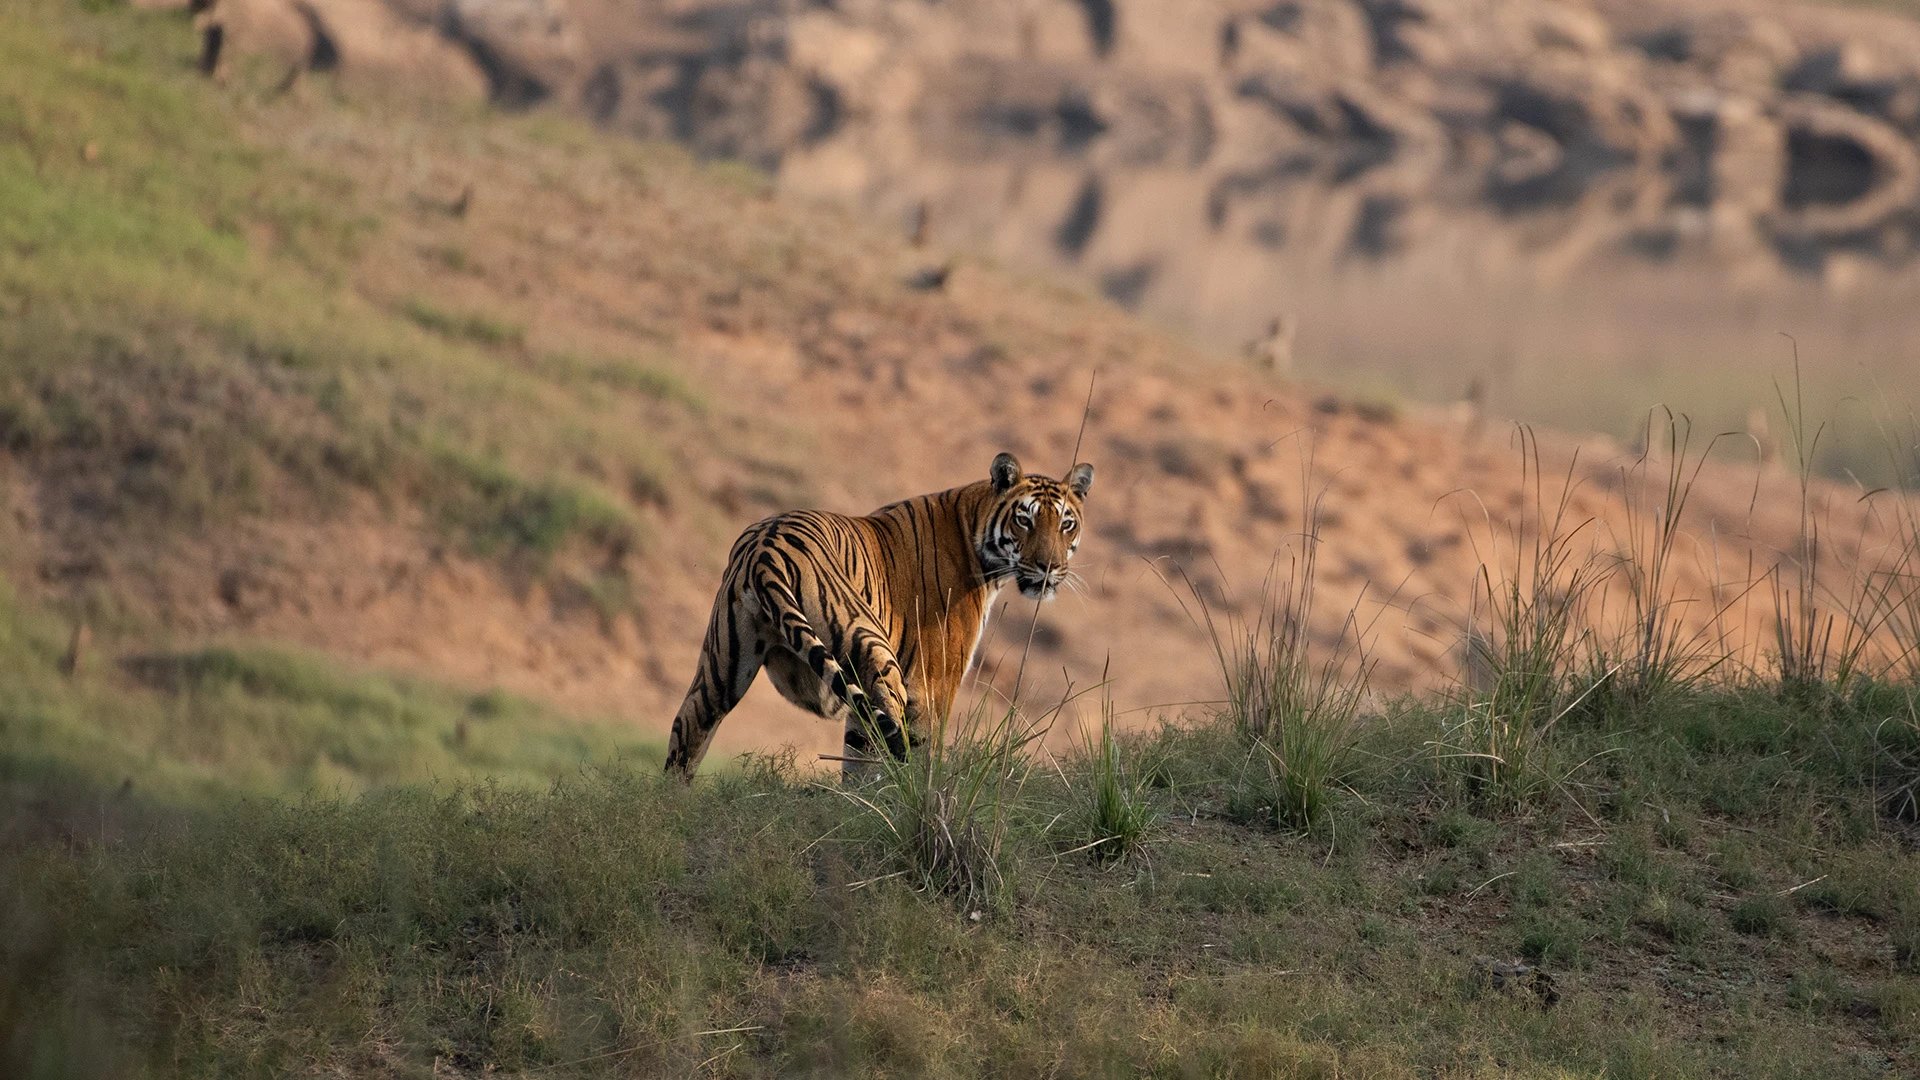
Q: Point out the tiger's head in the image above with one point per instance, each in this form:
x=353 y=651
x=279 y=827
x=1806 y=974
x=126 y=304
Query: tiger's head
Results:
x=1033 y=527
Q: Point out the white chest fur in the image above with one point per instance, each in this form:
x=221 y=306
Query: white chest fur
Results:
x=979 y=635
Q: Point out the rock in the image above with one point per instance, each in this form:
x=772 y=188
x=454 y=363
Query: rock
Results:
x=272 y=28
x=1596 y=122
x=362 y=41
x=1841 y=68
x=1569 y=27
x=1527 y=155
x=529 y=49
x=1738 y=51
x=1846 y=173
x=1514 y=977
x=376 y=46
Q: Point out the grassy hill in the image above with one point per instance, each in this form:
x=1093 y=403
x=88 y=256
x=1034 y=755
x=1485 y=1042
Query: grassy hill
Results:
x=225 y=854
x=184 y=352
x=184 y=343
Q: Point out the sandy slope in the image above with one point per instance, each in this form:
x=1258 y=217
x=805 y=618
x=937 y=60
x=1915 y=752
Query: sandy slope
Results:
x=831 y=382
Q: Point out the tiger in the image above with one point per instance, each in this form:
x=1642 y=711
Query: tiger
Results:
x=874 y=621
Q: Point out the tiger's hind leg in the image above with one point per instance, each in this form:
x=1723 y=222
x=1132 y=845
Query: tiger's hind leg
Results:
x=884 y=712
x=730 y=657
x=872 y=693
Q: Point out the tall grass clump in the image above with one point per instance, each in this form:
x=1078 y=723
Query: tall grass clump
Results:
x=1654 y=653
x=1112 y=813
x=1894 y=589
x=1525 y=634
x=1295 y=713
x=944 y=811
x=1820 y=637
x=1897 y=740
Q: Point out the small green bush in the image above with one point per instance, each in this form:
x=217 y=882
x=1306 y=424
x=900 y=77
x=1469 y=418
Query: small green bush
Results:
x=1554 y=941
x=1673 y=918
x=476 y=328
x=1113 y=813
x=1762 y=915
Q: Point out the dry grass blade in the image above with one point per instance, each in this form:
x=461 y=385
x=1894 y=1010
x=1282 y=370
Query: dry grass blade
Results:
x=1657 y=650
x=1894 y=588
x=1821 y=636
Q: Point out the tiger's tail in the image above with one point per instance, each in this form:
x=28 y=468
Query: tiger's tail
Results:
x=726 y=669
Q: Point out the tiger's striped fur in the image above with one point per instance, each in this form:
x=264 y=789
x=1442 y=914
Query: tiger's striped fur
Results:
x=873 y=621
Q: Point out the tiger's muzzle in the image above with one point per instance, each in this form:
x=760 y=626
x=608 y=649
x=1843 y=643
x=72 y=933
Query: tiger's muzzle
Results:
x=1039 y=583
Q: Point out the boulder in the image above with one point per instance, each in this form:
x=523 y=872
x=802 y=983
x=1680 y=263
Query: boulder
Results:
x=363 y=42
x=271 y=28
x=529 y=49
x=1846 y=174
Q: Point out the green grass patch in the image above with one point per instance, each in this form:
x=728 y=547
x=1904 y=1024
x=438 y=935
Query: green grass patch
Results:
x=499 y=512
x=1115 y=812
x=464 y=325
x=313 y=869
x=752 y=924
x=218 y=721
x=628 y=376
x=1762 y=915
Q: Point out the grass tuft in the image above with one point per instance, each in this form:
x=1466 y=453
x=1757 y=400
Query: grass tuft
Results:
x=1821 y=636
x=481 y=329
x=1762 y=915
x=1113 y=812
x=1523 y=644
x=501 y=513
x=1296 y=713
x=1656 y=656
x=944 y=812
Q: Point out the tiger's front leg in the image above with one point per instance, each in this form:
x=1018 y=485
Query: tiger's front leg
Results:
x=884 y=709
x=930 y=701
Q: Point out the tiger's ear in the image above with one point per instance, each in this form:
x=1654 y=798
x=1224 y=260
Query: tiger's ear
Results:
x=1006 y=472
x=1080 y=479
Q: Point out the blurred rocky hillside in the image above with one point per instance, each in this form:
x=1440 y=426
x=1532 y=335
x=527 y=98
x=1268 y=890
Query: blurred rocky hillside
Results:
x=1198 y=156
